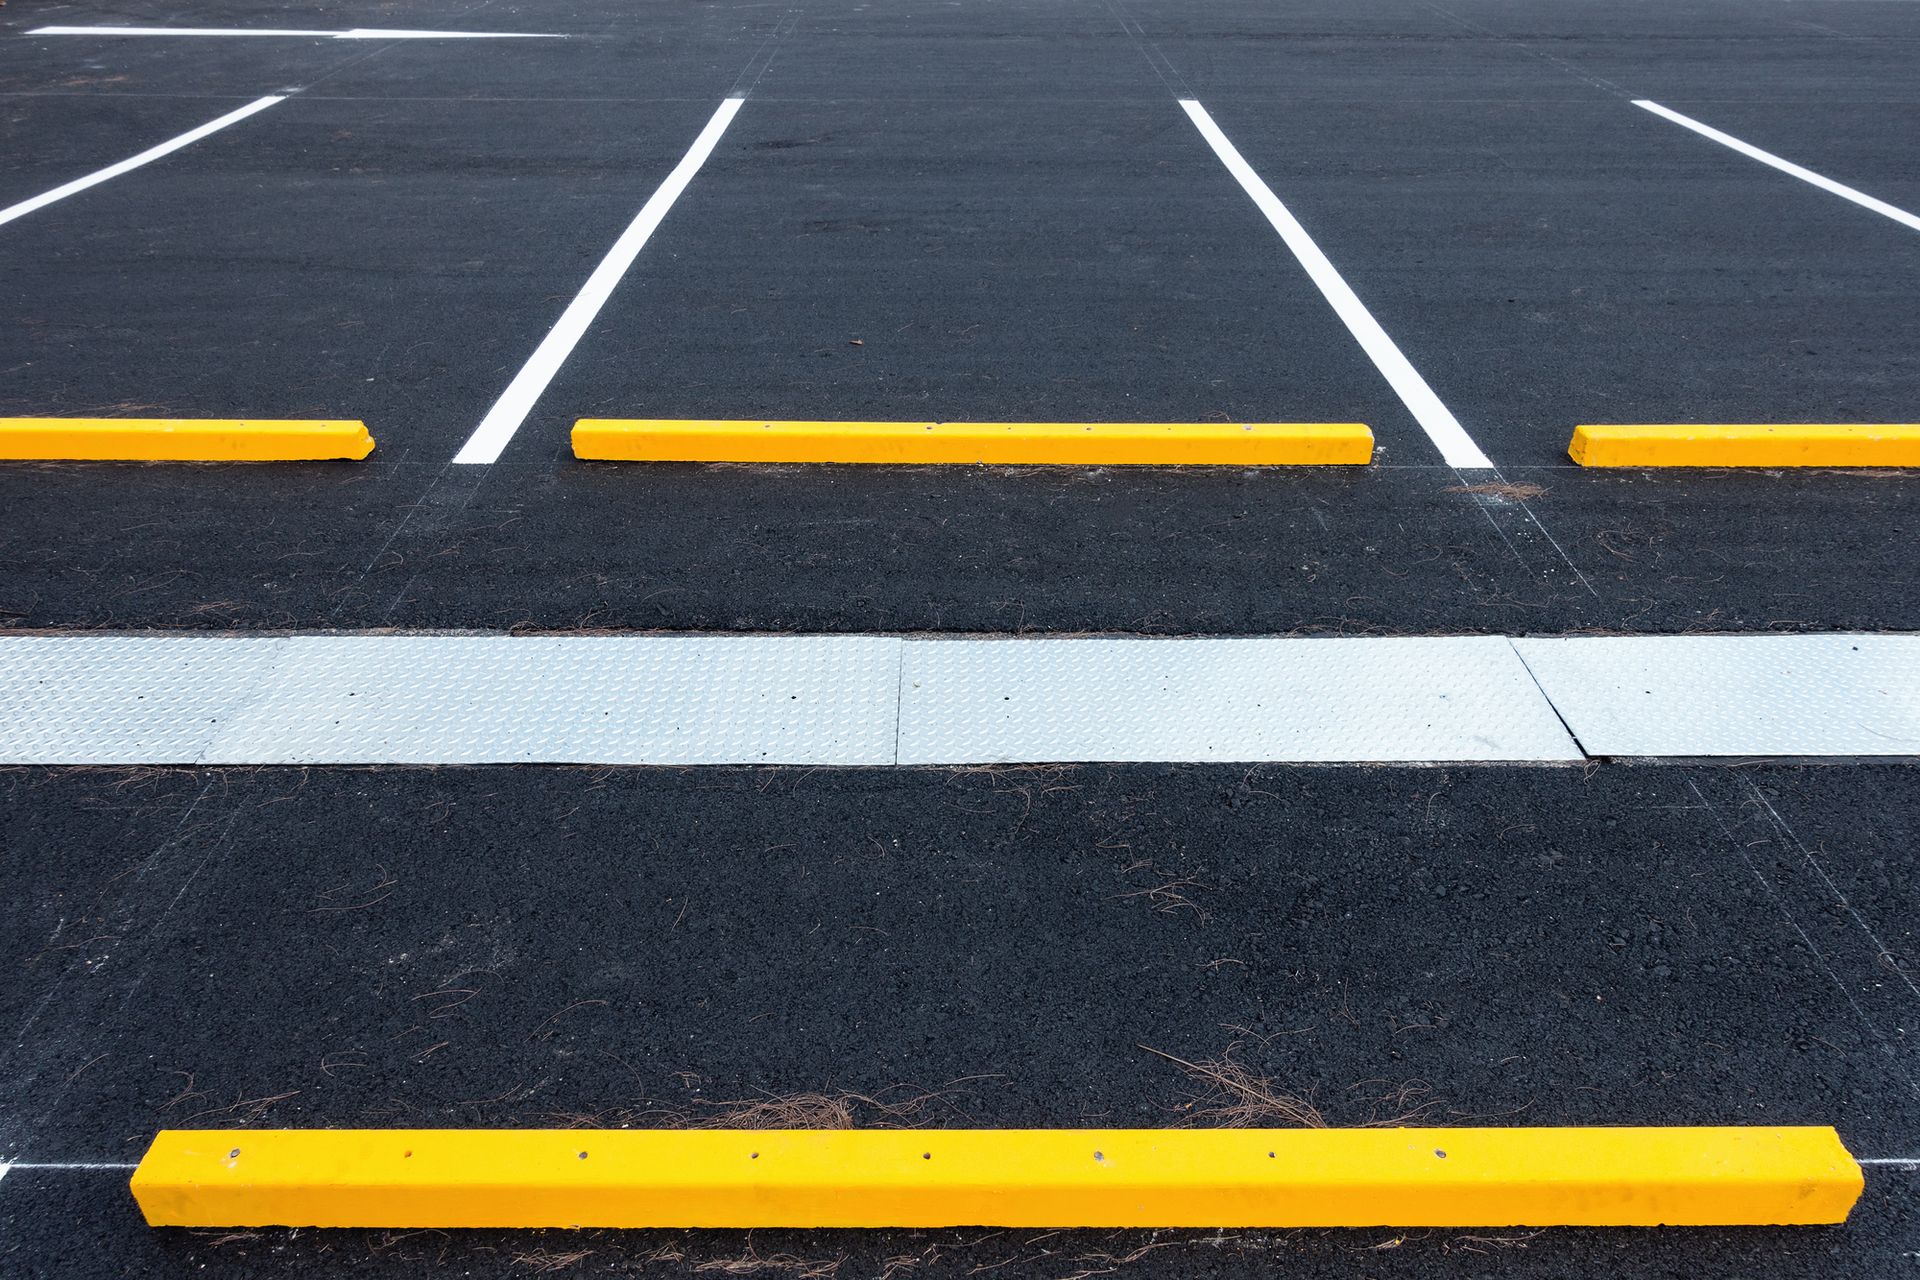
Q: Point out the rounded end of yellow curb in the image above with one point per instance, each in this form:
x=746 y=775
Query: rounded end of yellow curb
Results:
x=1580 y=447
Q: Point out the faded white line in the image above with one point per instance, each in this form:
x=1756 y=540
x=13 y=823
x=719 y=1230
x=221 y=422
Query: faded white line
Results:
x=134 y=162
x=1752 y=152
x=356 y=33
x=516 y=402
x=62 y=1166
x=1455 y=445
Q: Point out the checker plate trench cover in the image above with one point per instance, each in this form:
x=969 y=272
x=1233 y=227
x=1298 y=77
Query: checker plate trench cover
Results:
x=1844 y=695
x=553 y=699
x=124 y=699
x=1392 y=699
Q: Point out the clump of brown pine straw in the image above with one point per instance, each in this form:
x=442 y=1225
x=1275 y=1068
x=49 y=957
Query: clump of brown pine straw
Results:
x=1518 y=491
x=544 y=1262
x=896 y=1107
x=840 y=1110
x=783 y=1111
x=753 y=1263
x=1233 y=1096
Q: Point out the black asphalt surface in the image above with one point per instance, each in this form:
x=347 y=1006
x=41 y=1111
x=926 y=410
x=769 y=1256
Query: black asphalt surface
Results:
x=1005 y=209
x=901 y=549
x=988 y=947
x=986 y=210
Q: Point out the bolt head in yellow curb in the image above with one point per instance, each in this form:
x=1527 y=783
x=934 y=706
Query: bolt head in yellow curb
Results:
x=1747 y=445
x=181 y=440
x=1529 y=1177
x=1239 y=444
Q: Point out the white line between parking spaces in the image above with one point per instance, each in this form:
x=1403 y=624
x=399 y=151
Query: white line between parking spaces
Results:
x=1456 y=447
x=356 y=33
x=104 y=699
x=134 y=162
x=484 y=446
x=1752 y=152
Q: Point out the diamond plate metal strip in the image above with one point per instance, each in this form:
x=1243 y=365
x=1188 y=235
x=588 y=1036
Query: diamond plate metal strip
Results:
x=572 y=699
x=1385 y=700
x=1829 y=695
x=106 y=699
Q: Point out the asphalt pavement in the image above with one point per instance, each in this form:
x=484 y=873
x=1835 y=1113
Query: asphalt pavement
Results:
x=981 y=210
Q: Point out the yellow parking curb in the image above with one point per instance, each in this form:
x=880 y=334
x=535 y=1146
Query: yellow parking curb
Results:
x=1747 y=445
x=181 y=440
x=1237 y=444
x=1010 y=1178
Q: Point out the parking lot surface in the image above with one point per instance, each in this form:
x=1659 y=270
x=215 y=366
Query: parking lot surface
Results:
x=973 y=211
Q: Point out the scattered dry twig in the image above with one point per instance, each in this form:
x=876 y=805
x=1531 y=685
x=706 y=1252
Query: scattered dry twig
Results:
x=1236 y=1098
x=546 y=1261
x=753 y=1263
x=1517 y=490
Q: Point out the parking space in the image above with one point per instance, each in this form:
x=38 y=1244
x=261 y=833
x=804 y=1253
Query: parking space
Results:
x=990 y=211
x=1548 y=255
x=843 y=263
x=1586 y=261
x=1026 y=228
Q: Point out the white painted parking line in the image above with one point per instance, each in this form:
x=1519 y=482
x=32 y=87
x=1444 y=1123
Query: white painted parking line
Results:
x=1456 y=447
x=1834 y=695
x=883 y=700
x=516 y=402
x=134 y=162
x=356 y=33
x=1752 y=152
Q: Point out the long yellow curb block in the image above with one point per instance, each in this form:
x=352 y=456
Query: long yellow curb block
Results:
x=1008 y=1178
x=181 y=440
x=1238 y=444
x=1747 y=445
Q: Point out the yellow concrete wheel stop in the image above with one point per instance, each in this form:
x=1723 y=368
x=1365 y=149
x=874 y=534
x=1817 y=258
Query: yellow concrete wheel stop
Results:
x=1747 y=445
x=181 y=440
x=1237 y=444
x=1517 y=1177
